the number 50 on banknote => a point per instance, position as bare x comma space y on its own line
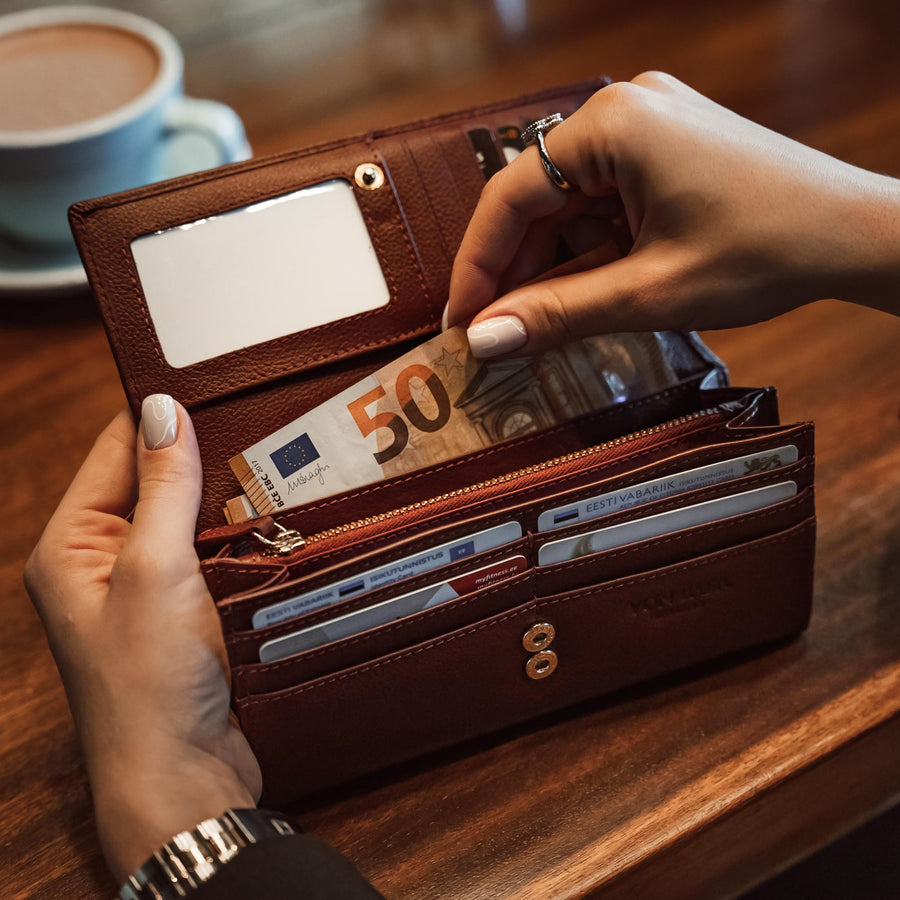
410, 406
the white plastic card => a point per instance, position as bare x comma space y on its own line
260, 272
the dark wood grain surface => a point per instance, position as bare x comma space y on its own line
695, 786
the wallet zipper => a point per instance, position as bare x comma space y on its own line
287, 541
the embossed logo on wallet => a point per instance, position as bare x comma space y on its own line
680, 599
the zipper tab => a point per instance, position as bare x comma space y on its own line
211, 541
283, 542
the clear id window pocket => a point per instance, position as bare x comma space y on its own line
257, 273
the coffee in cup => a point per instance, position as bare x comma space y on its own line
90, 101
57, 75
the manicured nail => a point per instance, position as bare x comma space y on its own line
494, 337
159, 421
445, 317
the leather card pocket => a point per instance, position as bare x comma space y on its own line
259, 678
243, 645
475, 679
669, 549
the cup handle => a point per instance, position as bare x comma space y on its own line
215, 121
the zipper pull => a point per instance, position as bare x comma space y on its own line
283, 542
211, 541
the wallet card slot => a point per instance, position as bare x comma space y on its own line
225, 578
448, 172
605, 480
800, 472
473, 680
243, 643
674, 548
375, 643
238, 585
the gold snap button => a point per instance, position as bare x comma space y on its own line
538, 636
541, 665
369, 176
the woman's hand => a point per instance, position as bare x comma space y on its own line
731, 223
138, 641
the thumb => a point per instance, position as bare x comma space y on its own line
629, 294
169, 478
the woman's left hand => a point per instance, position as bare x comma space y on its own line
137, 639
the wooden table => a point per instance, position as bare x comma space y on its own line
695, 786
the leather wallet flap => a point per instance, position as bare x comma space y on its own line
414, 186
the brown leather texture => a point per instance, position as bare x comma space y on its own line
457, 670
416, 222
472, 680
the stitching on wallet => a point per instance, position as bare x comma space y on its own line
666, 572
246, 570
283, 590
379, 252
131, 268
491, 623
435, 219
404, 232
424, 616
376, 240
308, 361
790, 506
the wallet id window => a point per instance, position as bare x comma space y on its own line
258, 273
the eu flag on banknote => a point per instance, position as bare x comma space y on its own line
293, 456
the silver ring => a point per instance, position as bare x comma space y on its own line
534, 133
530, 132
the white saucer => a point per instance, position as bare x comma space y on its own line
27, 272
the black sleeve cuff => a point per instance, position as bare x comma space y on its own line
295, 866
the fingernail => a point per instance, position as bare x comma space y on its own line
445, 317
494, 337
159, 421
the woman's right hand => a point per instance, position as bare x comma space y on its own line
731, 223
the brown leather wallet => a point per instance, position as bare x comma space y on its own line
546, 638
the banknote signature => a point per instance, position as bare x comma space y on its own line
317, 473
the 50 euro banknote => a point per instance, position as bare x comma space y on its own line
435, 403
